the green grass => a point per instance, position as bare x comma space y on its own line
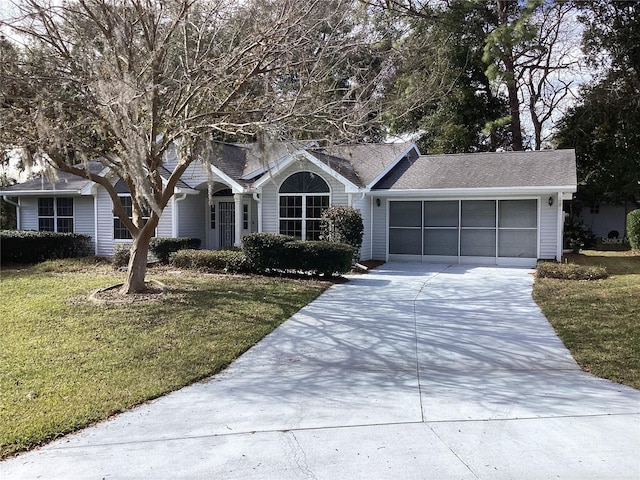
66, 363
598, 320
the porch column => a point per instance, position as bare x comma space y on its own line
237, 198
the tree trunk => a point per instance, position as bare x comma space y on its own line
514, 105
137, 269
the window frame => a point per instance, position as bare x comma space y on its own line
305, 221
118, 226
56, 217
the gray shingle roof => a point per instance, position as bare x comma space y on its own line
483, 170
65, 182
367, 160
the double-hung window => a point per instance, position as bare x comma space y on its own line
55, 214
120, 231
302, 198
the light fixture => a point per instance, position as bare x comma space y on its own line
378, 202
550, 201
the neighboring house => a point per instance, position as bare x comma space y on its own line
490, 208
606, 221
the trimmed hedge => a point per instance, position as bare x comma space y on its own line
163, 248
234, 261
570, 271
633, 229
274, 252
21, 246
266, 250
326, 258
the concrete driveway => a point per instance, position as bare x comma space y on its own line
411, 371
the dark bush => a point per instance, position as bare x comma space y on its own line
163, 248
327, 258
570, 271
577, 236
121, 254
633, 229
273, 252
343, 225
20, 246
234, 261
266, 250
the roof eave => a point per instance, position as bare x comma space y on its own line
489, 191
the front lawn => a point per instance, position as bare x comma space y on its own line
66, 363
598, 320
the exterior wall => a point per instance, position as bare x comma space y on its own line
28, 213
607, 219
379, 229
165, 225
270, 210
84, 220
83, 215
192, 217
364, 205
195, 174
104, 223
548, 227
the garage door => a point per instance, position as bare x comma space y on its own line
465, 231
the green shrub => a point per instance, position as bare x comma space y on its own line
20, 246
571, 271
633, 229
234, 261
577, 236
162, 248
280, 253
266, 250
343, 225
121, 254
326, 258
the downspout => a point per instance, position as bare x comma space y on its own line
174, 220
17, 205
258, 198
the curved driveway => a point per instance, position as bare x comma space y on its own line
411, 371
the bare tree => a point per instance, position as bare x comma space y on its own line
124, 80
550, 73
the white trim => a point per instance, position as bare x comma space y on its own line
457, 192
289, 159
235, 186
560, 228
95, 221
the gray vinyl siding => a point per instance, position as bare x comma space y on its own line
104, 223
192, 217
253, 215
364, 206
548, 228
194, 175
84, 221
28, 213
270, 213
379, 230
83, 215
165, 225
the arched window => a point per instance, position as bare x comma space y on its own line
303, 198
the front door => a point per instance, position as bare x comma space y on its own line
227, 224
